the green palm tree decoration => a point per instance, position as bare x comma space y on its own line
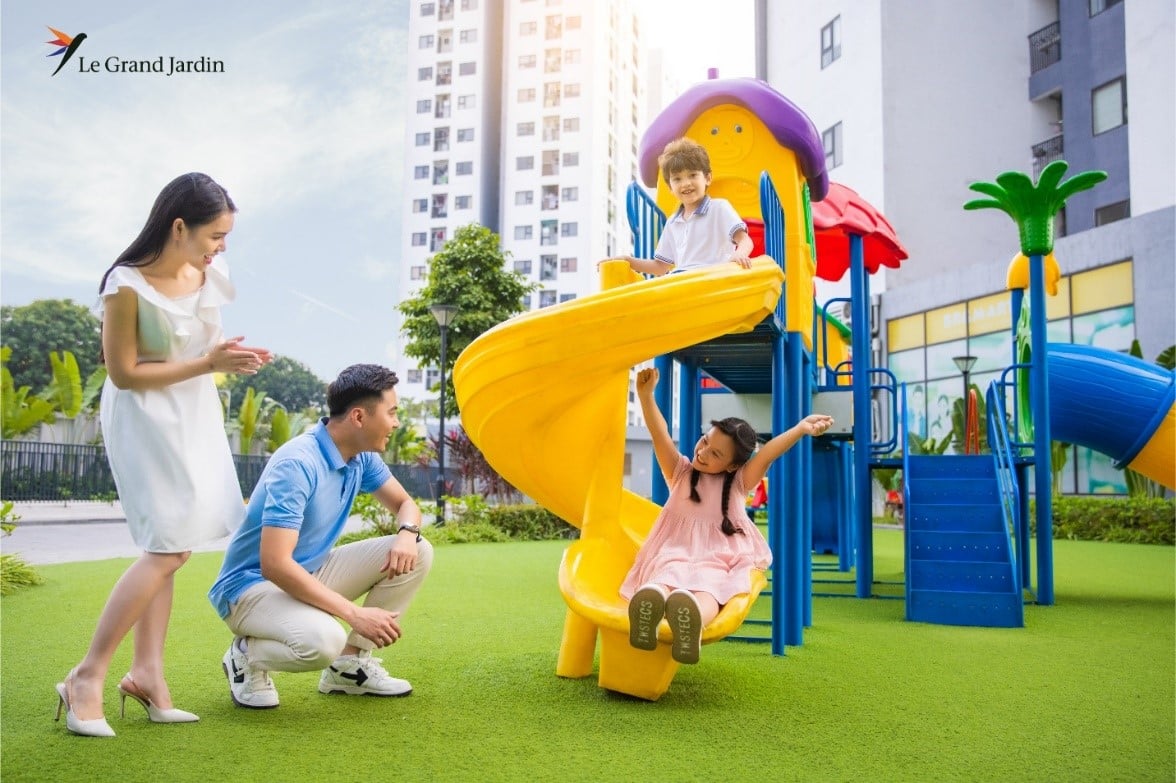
1031, 207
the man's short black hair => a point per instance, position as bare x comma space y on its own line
356, 385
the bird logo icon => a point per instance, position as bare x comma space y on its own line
67, 44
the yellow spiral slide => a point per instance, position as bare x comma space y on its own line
544, 396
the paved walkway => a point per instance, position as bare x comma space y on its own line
73, 531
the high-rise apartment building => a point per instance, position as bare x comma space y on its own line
916, 100
524, 116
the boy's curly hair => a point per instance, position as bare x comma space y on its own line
683, 155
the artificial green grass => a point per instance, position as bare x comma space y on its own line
1084, 692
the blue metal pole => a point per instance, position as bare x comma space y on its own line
782, 566
663, 395
805, 489
689, 408
860, 341
1042, 457
795, 492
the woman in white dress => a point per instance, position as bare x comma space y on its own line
163, 428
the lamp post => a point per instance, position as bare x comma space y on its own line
444, 313
965, 365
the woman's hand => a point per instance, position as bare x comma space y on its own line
231, 356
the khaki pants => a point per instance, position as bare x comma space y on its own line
286, 635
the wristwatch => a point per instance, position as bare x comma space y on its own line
411, 529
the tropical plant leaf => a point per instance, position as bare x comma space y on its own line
65, 390
1167, 358
1077, 183
1051, 175
984, 203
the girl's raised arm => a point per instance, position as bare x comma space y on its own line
757, 466
663, 445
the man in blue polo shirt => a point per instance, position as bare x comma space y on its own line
283, 584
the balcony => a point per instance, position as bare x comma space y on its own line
1045, 153
1045, 47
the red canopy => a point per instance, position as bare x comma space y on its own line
843, 212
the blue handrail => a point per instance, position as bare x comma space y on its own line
1002, 453
645, 220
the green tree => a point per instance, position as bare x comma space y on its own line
33, 331
469, 272
285, 380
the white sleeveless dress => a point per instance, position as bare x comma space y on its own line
167, 447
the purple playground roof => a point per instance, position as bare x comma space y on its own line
791, 126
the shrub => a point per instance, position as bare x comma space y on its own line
15, 573
529, 523
1124, 520
469, 519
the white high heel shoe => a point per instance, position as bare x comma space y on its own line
128, 687
95, 727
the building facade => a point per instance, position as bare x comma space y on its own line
916, 101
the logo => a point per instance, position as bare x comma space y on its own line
67, 45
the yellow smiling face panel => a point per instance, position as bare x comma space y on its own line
740, 146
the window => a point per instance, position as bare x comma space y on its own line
467, 69
1120, 210
442, 107
425, 42
551, 128
568, 229
550, 162
467, 101
831, 141
550, 197
427, 9
571, 159
571, 124
548, 229
551, 94
524, 197
552, 58
526, 61
423, 139
566, 297
572, 23
463, 202
446, 11
468, 36
437, 239
523, 232
425, 74
528, 28
465, 167
567, 265
546, 298
570, 194
527, 95
441, 172
432, 377
523, 268
524, 163
420, 172
1108, 106
572, 90
420, 205
571, 56
831, 42
465, 134
419, 238
424, 106
440, 139
554, 27
469, 5
525, 129
440, 205
414, 375
416, 273
444, 73
1098, 6
548, 267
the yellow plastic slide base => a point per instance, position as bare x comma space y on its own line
1158, 457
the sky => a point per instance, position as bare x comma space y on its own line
304, 127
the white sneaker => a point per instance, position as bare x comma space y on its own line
359, 675
248, 685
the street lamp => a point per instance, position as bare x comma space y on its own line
965, 365
444, 313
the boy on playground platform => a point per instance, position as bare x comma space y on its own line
704, 231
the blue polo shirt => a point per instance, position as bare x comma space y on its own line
306, 486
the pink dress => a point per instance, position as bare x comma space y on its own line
687, 547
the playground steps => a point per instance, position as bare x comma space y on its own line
959, 559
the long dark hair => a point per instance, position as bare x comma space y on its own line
194, 198
742, 435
